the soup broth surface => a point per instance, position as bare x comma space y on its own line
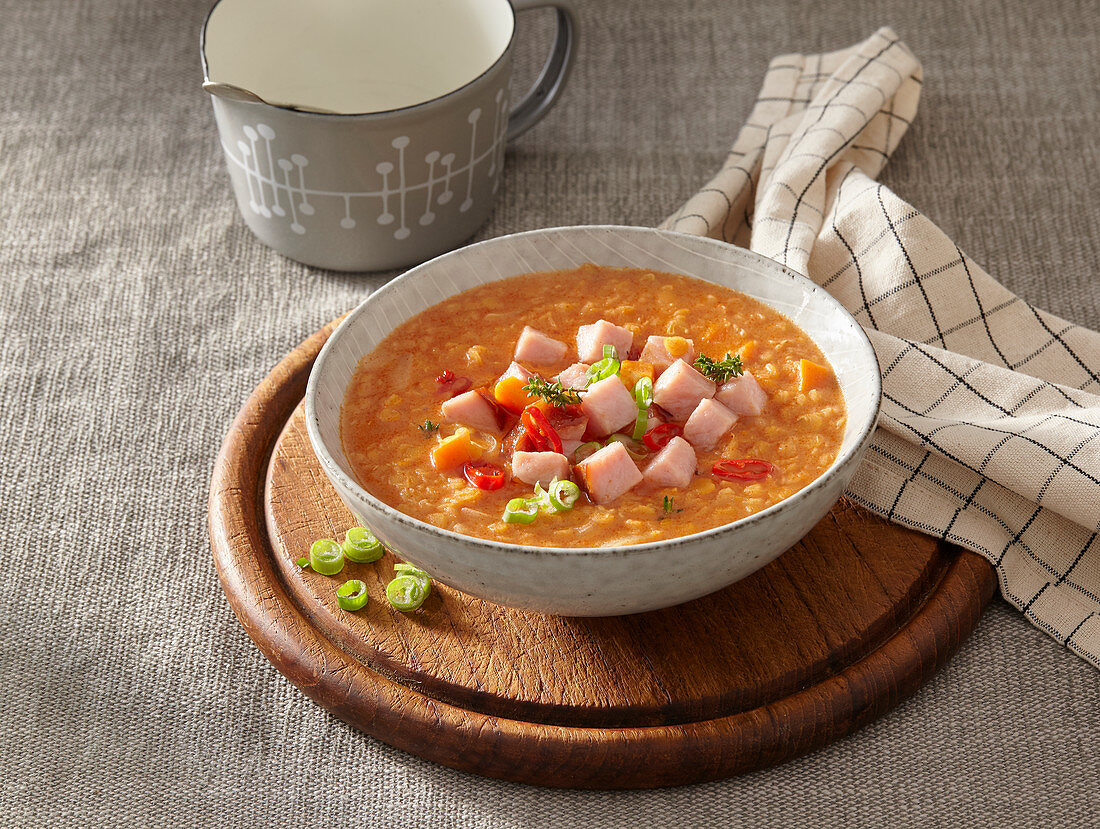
394, 399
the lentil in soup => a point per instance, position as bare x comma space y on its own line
591, 407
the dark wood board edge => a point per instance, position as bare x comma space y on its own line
519, 751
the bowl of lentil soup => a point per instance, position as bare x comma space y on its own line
593, 420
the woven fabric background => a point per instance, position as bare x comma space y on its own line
989, 426
139, 312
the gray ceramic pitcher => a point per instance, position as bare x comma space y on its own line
334, 187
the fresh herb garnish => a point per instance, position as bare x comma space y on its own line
719, 370
427, 427
669, 508
554, 393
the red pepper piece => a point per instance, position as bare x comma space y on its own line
483, 475
741, 469
517, 440
659, 436
540, 431
452, 385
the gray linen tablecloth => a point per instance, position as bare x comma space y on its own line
140, 312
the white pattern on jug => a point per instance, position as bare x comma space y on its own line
277, 183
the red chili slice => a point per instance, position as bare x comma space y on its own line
450, 384
742, 469
483, 475
541, 432
659, 436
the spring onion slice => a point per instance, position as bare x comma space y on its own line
352, 595
584, 450
326, 556
636, 450
360, 545
407, 593
403, 568
602, 369
562, 495
521, 510
643, 399
541, 498
303, 562
640, 423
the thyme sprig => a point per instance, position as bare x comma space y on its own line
670, 508
719, 370
554, 393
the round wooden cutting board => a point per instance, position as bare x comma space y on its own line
832, 634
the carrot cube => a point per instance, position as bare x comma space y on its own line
631, 371
455, 450
811, 375
509, 393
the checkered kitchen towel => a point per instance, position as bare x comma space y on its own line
990, 430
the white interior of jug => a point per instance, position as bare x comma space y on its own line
354, 56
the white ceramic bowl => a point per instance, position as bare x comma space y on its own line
596, 581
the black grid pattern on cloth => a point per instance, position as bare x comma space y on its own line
990, 428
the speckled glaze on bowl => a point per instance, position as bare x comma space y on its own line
596, 581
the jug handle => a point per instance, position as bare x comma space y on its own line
555, 72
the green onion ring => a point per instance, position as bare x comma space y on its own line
303, 562
405, 569
407, 593
584, 450
602, 369
563, 494
352, 595
636, 450
640, 423
326, 556
541, 498
643, 399
361, 546
521, 510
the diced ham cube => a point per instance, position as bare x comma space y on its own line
540, 467
609, 406
575, 377
664, 351
680, 388
516, 370
608, 473
742, 395
708, 423
568, 423
592, 338
473, 409
674, 465
537, 348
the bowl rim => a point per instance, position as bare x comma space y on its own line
338, 476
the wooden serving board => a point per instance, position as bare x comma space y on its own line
831, 635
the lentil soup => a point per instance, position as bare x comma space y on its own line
740, 409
